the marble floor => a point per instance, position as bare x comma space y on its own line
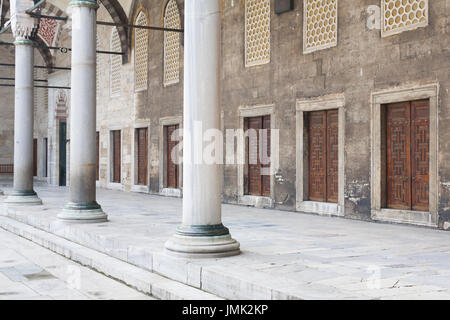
302, 254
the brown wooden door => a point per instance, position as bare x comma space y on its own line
264, 143
35, 146
318, 156
142, 146
407, 165
116, 156
332, 155
323, 155
97, 156
258, 156
254, 165
420, 157
172, 167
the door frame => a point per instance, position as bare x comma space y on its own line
135, 187
377, 101
249, 112
170, 192
303, 204
111, 184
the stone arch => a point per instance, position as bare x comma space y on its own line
4, 8
118, 16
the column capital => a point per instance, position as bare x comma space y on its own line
84, 3
23, 25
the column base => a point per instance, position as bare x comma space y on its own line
208, 242
82, 213
22, 199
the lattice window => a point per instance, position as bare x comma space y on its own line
171, 44
140, 53
320, 24
257, 32
115, 63
40, 94
402, 15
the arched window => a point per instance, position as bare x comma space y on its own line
140, 52
257, 32
115, 63
171, 44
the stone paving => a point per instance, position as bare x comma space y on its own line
300, 254
29, 272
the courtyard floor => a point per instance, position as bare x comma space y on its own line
285, 255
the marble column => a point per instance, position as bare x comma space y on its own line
82, 205
202, 233
24, 29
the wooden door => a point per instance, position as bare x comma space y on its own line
254, 165
97, 155
35, 145
142, 146
172, 168
332, 155
318, 156
258, 156
323, 155
264, 144
420, 157
407, 160
116, 156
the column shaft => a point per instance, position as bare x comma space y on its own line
23, 193
83, 206
201, 233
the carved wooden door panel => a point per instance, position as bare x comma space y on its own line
265, 156
172, 168
142, 145
332, 155
398, 180
420, 157
317, 156
408, 155
116, 156
254, 165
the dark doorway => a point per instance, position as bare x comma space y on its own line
45, 158
35, 145
62, 153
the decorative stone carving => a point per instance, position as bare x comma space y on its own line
22, 24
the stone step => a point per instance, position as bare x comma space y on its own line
138, 278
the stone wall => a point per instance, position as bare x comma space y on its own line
361, 63
6, 104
